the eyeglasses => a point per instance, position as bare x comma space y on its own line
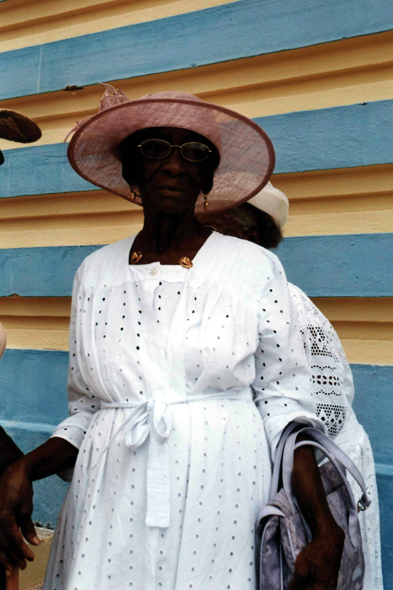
158, 149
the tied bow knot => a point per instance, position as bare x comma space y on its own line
153, 417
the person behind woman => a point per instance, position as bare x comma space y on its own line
17, 128
261, 221
178, 337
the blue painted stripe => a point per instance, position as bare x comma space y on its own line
323, 266
37, 380
45, 429
384, 470
359, 265
33, 385
373, 407
385, 494
337, 137
39, 170
233, 31
36, 385
40, 272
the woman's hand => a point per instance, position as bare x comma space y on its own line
318, 565
16, 506
16, 498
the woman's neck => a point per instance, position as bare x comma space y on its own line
167, 237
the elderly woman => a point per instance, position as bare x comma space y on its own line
185, 367
261, 220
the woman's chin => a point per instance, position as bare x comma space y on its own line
168, 202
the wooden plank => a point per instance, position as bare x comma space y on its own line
365, 326
25, 23
233, 31
351, 200
325, 75
338, 137
340, 266
44, 375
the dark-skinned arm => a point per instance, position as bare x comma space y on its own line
16, 499
317, 566
9, 451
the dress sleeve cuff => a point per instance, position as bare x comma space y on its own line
73, 430
275, 425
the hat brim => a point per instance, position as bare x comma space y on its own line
16, 127
246, 153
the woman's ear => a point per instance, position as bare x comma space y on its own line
207, 183
128, 173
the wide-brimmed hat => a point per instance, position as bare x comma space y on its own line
274, 202
16, 127
246, 152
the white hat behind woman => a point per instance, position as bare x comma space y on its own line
272, 201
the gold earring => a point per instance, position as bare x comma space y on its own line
134, 194
206, 203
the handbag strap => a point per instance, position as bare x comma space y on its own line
338, 454
338, 460
274, 482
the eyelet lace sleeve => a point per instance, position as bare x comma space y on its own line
283, 381
332, 381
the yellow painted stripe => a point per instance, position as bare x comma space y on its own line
25, 23
339, 73
313, 224
67, 220
364, 325
356, 183
368, 352
354, 200
346, 201
36, 323
353, 309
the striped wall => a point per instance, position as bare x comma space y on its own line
316, 76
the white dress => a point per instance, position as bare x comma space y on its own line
333, 392
174, 457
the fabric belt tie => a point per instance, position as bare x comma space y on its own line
154, 418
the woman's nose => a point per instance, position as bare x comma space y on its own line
174, 163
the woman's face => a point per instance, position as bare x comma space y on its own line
172, 184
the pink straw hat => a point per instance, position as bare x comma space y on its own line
246, 152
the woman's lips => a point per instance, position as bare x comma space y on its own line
171, 188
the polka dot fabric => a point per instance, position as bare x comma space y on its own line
333, 391
215, 348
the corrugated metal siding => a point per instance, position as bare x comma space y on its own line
317, 76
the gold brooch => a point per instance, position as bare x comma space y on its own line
135, 257
185, 262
